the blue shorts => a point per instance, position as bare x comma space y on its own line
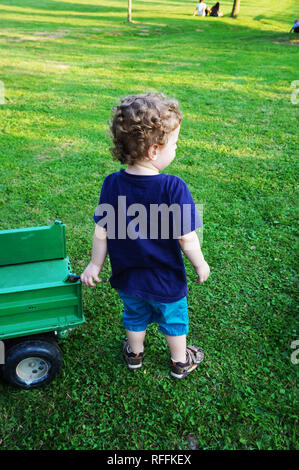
171, 317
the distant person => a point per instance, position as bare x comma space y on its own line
201, 8
295, 26
215, 10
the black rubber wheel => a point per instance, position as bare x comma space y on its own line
32, 363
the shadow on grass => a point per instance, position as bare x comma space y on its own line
110, 14
66, 7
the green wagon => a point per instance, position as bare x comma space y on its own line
40, 301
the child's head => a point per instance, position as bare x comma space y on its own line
143, 125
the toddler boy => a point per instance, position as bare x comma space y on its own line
145, 251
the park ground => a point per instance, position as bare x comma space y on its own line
64, 64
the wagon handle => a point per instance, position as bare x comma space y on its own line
73, 278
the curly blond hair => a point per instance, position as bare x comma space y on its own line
140, 121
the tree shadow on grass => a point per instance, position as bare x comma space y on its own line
65, 40
108, 15
66, 7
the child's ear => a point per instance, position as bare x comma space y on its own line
152, 152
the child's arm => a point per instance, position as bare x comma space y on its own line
99, 249
191, 247
99, 252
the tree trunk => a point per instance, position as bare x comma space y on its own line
130, 11
236, 9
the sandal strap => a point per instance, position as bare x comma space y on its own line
195, 349
194, 353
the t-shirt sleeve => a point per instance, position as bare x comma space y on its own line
186, 217
100, 213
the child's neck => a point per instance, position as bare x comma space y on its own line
142, 169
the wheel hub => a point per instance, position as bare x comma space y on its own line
32, 369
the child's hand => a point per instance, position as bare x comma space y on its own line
90, 274
203, 272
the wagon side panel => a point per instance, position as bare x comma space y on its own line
37, 311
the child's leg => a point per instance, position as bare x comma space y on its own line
177, 346
135, 339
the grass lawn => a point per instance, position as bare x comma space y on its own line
64, 64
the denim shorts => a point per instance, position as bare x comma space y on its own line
171, 317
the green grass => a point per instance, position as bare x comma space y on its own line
64, 65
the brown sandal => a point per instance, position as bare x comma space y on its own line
134, 361
194, 356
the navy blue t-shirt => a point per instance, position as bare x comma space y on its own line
144, 251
